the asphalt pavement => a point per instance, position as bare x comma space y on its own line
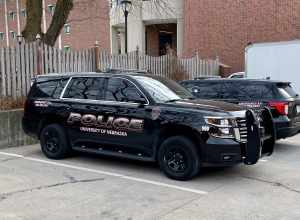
94, 187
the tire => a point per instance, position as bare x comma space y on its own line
54, 142
178, 158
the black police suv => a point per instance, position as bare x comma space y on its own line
279, 96
143, 117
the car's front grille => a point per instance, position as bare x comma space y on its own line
242, 124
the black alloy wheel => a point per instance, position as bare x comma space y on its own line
178, 158
54, 142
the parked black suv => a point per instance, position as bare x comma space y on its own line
277, 95
144, 117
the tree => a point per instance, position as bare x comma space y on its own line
34, 18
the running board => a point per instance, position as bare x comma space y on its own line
119, 154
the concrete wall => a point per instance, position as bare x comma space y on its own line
11, 132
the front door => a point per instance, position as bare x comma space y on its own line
128, 106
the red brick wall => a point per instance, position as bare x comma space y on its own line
152, 40
224, 27
89, 22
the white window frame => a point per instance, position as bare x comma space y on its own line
67, 29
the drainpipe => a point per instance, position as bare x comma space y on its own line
6, 23
18, 18
44, 17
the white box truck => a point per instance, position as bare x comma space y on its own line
277, 60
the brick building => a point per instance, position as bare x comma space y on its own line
224, 27
212, 28
87, 23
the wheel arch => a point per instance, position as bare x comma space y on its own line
171, 130
50, 119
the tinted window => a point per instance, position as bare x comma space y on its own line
122, 90
286, 90
85, 88
162, 89
255, 91
60, 86
48, 88
206, 90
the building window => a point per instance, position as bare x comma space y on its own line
12, 15
51, 9
24, 12
67, 29
13, 34
67, 48
1, 36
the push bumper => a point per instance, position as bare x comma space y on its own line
228, 152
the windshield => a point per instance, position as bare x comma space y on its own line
287, 91
162, 89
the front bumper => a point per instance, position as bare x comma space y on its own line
227, 152
222, 152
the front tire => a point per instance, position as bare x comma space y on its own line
178, 158
54, 142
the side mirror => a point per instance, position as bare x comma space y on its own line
136, 97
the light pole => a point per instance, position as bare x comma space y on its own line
126, 7
19, 38
39, 54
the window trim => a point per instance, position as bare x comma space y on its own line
2, 37
101, 101
23, 12
12, 15
67, 28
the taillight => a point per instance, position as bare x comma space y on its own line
281, 108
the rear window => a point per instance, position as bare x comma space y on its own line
48, 88
286, 90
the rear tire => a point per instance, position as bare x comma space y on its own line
54, 142
178, 158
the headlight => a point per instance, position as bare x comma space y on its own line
221, 122
221, 127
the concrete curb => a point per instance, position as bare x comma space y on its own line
11, 132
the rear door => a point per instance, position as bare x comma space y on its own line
250, 94
82, 99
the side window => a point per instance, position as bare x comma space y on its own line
59, 88
256, 91
206, 90
231, 91
85, 88
122, 90
48, 89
